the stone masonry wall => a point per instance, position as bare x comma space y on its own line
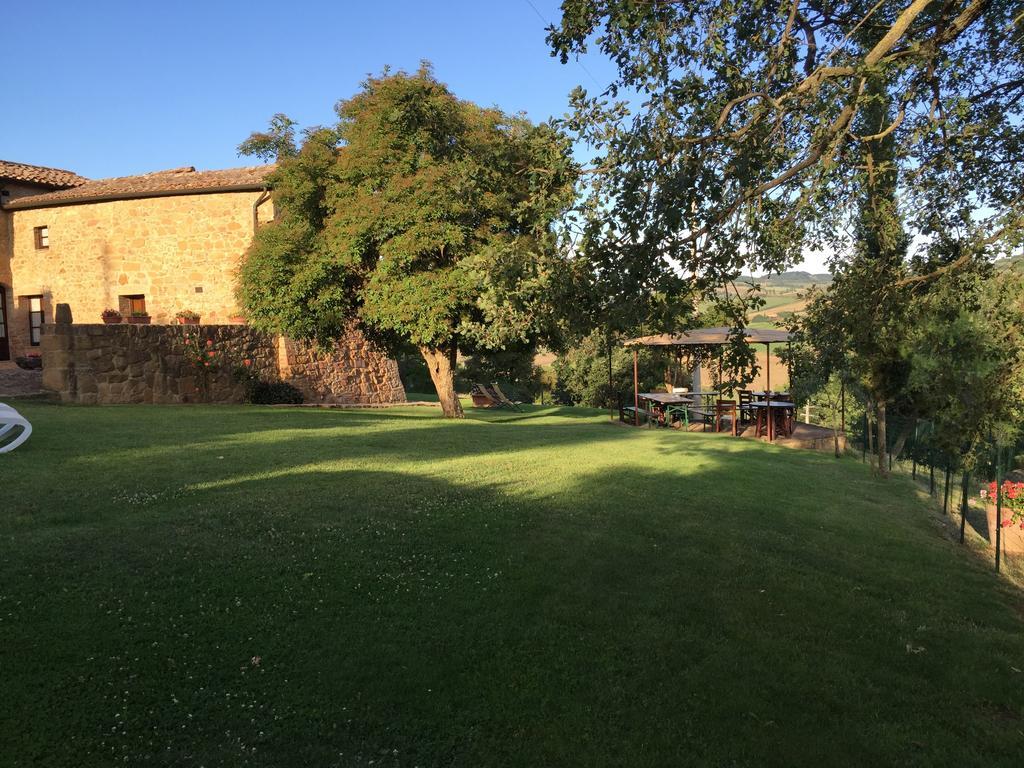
180, 252
355, 371
149, 364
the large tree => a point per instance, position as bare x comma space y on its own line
733, 136
423, 217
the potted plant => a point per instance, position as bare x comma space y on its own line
111, 316
187, 317
139, 318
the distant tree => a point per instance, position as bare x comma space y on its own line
426, 219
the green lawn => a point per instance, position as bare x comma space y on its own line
230, 586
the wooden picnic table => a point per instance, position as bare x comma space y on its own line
770, 406
669, 403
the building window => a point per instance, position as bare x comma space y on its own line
42, 237
132, 305
35, 319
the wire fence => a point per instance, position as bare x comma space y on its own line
958, 486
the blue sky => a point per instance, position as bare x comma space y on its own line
112, 88
118, 88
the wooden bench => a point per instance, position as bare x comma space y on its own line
632, 415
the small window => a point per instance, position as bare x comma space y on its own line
35, 319
42, 237
132, 305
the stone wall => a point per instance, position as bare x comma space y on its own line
179, 252
355, 371
151, 364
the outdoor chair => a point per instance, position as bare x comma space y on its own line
746, 408
502, 399
482, 398
10, 422
725, 409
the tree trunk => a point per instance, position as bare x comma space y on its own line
883, 465
441, 364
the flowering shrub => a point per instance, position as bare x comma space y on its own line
199, 352
1013, 501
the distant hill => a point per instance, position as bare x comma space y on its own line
1007, 263
796, 279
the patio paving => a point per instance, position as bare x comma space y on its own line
15, 382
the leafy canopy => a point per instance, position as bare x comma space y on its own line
428, 219
734, 135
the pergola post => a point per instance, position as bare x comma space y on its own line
636, 387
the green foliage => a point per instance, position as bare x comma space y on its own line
967, 358
582, 373
276, 143
427, 218
412, 370
734, 132
512, 368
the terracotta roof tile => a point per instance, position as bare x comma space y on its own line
176, 181
38, 174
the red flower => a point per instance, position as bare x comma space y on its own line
209, 342
247, 363
210, 353
1007, 523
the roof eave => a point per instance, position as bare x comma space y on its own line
28, 204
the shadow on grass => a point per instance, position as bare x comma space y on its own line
635, 616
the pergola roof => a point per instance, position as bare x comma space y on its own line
709, 337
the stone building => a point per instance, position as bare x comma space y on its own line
150, 245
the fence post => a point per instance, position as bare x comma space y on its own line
966, 481
945, 489
999, 507
931, 462
864, 439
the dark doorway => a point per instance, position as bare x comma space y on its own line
5, 345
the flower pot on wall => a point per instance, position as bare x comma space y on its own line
139, 319
111, 319
188, 320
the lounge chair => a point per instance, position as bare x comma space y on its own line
502, 399
10, 421
483, 397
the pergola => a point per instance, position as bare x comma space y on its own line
704, 337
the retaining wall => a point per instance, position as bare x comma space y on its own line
126, 363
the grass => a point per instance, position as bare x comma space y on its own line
257, 586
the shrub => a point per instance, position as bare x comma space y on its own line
583, 373
260, 392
